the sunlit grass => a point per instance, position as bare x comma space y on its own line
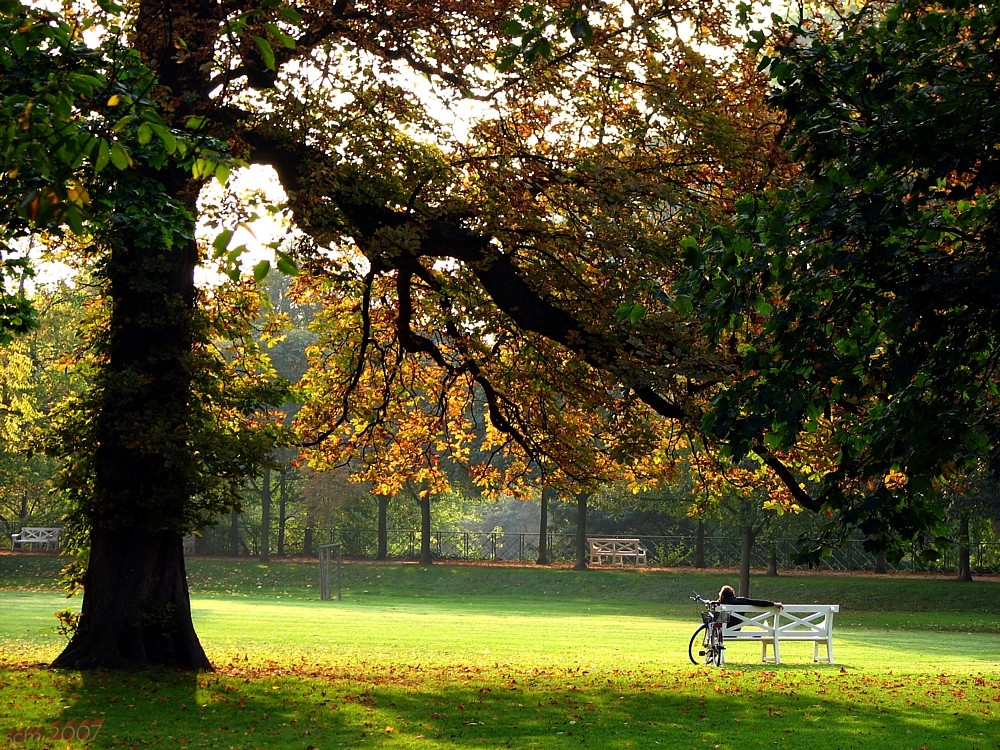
459, 656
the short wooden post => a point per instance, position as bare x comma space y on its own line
325, 551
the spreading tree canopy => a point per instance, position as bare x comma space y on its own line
863, 296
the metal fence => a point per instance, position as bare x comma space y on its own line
669, 551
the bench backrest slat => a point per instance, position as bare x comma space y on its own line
814, 620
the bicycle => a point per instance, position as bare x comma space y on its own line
708, 636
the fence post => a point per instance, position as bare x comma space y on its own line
324, 571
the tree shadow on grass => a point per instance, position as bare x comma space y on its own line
273, 706
759, 709
175, 709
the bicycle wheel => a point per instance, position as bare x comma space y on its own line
696, 648
714, 651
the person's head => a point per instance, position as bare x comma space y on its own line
726, 593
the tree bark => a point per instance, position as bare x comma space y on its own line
747, 539
772, 560
136, 611
880, 562
964, 550
581, 531
426, 557
234, 533
699, 545
383, 528
543, 526
282, 511
307, 541
265, 516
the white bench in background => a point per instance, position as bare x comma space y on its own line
772, 627
36, 537
616, 550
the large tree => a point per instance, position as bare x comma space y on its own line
98, 142
526, 247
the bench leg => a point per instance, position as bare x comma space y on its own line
829, 650
774, 646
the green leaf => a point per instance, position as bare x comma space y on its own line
266, 52
507, 56
222, 174
83, 83
513, 28
168, 139
290, 14
18, 43
630, 312
120, 157
103, 155
203, 168
582, 31
123, 123
74, 218
221, 242
284, 39
286, 265
261, 269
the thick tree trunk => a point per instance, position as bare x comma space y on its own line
543, 527
581, 532
136, 611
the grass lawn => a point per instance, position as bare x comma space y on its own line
522, 657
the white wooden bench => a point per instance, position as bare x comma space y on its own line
772, 627
36, 537
616, 550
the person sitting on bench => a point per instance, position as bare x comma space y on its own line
728, 596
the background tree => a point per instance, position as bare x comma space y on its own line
971, 498
864, 290
37, 381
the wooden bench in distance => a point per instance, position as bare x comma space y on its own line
616, 550
772, 627
36, 537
